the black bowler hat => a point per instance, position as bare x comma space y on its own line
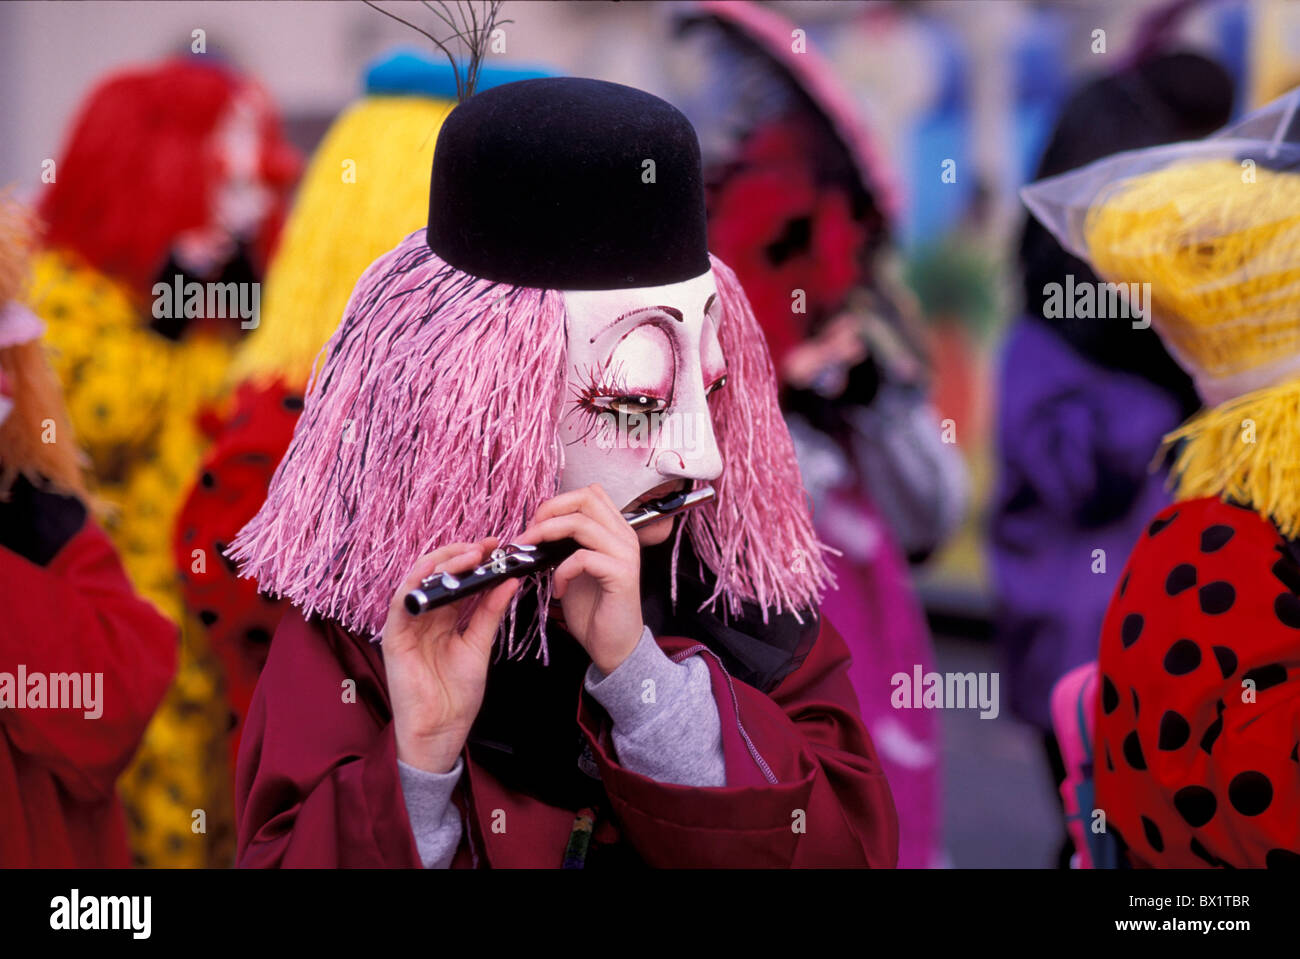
545, 183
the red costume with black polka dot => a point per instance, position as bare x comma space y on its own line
231, 486
1199, 712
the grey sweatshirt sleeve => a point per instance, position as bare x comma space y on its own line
666, 723
435, 820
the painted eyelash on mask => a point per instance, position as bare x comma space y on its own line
606, 384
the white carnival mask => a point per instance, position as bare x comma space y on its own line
641, 366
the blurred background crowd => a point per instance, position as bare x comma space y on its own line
965, 454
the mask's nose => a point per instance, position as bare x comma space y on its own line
691, 451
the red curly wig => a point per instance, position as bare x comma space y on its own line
140, 166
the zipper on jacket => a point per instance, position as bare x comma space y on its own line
759, 761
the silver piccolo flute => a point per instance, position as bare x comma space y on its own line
515, 559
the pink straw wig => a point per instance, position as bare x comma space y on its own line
434, 418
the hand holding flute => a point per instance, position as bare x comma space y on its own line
599, 585
437, 675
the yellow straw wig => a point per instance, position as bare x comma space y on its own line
366, 188
1246, 450
1219, 242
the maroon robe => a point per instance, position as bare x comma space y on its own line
66, 606
318, 782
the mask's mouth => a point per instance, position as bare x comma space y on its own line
659, 492
670, 505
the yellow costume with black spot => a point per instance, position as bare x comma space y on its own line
133, 397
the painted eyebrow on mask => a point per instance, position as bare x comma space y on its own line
673, 312
708, 304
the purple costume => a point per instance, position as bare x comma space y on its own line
1075, 441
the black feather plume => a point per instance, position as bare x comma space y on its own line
471, 25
